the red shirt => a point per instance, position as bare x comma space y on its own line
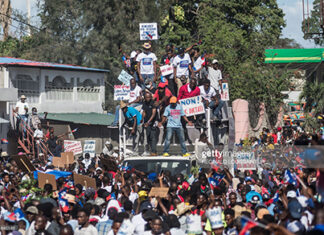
167, 93
186, 92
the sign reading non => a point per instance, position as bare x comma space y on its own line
121, 92
124, 77
225, 93
166, 70
148, 31
89, 147
193, 106
73, 146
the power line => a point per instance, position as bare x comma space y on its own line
15, 19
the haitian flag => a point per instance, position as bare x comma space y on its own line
4, 141
19, 214
215, 180
247, 224
290, 178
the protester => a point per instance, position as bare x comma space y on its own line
181, 66
22, 111
135, 99
215, 76
172, 115
146, 65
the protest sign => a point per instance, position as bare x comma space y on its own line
121, 92
67, 158
89, 147
245, 161
46, 179
73, 146
225, 94
192, 106
85, 181
158, 192
124, 77
166, 69
23, 163
57, 162
198, 63
148, 31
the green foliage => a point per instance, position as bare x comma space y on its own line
90, 33
30, 187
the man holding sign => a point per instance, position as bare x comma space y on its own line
173, 114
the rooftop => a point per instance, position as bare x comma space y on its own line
83, 118
9, 61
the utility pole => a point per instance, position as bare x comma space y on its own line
28, 17
5, 10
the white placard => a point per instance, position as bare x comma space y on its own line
73, 146
148, 31
225, 94
124, 77
215, 217
166, 70
245, 161
121, 92
89, 147
192, 106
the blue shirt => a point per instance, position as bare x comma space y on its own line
174, 115
132, 112
104, 227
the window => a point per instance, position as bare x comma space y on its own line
27, 86
88, 91
59, 89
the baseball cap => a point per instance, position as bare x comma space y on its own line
215, 61
23, 97
146, 205
162, 85
99, 201
181, 50
291, 194
32, 210
133, 54
173, 100
295, 209
147, 45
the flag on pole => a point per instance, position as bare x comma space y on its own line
246, 225
75, 130
290, 178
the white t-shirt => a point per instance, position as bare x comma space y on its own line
182, 65
38, 134
90, 230
133, 94
146, 61
139, 224
207, 95
21, 107
214, 76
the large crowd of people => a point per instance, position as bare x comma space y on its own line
283, 194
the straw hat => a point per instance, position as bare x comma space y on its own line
182, 208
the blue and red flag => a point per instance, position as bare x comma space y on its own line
75, 130
4, 141
215, 180
290, 178
247, 224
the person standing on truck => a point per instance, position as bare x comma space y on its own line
173, 114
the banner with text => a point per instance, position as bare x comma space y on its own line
192, 106
121, 92
124, 77
89, 147
73, 146
148, 31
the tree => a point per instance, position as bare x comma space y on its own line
312, 26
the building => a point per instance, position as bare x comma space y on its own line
53, 88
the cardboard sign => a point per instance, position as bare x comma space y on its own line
73, 146
158, 192
245, 161
148, 31
124, 77
121, 92
225, 94
58, 162
166, 69
192, 106
46, 179
67, 158
90, 147
23, 163
85, 181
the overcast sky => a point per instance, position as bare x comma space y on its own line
292, 9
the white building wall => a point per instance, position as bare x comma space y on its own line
73, 97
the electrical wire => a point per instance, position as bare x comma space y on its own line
15, 19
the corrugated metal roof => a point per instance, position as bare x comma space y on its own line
286, 56
29, 63
83, 118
